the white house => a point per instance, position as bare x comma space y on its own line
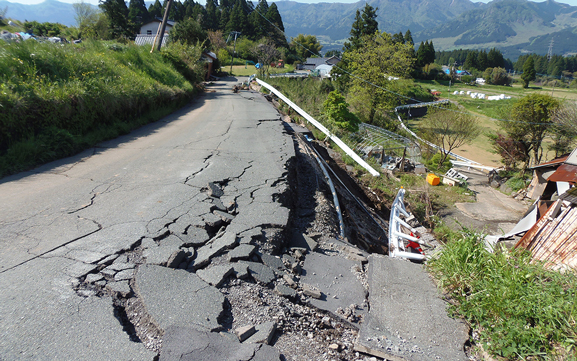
151, 27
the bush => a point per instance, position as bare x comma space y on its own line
433, 163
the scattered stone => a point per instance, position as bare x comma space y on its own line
215, 190
177, 297
215, 275
285, 291
263, 334
100, 283
272, 261
243, 251
260, 272
290, 280
299, 252
211, 249
124, 275
121, 287
311, 291
224, 216
334, 346
93, 277
189, 344
244, 332
287, 259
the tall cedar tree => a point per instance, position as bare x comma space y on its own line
155, 10
117, 14
137, 13
365, 24
529, 73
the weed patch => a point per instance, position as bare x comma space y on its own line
521, 310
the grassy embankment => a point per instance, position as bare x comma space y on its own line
518, 310
58, 100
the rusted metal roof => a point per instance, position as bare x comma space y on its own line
553, 239
552, 163
565, 173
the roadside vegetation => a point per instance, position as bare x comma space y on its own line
58, 100
518, 309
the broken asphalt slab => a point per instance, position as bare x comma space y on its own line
333, 277
189, 344
177, 297
407, 318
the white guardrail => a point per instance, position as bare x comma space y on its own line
397, 246
320, 127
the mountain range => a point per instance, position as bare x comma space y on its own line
513, 26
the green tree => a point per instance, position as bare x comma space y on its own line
336, 53
399, 38
425, 53
306, 46
336, 109
189, 32
117, 14
377, 61
409, 37
482, 60
211, 15
137, 14
529, 73
85, 14
277, 31
471, 61
496, 76
365, 23
531, 121
155, 10
449, 129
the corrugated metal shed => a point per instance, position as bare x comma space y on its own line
553, 239
142, 39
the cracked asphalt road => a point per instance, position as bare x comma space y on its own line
70, 218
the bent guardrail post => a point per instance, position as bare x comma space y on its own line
321, 127
396, 235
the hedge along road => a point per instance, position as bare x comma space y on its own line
68, 219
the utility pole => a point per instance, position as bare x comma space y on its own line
160, 33
235, 34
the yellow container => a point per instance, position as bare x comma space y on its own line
433, 179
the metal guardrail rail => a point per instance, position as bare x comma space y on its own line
322, 128
396, 235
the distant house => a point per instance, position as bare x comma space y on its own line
313, 63
148, 32
151, 27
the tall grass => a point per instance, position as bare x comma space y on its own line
521, 310
55, 98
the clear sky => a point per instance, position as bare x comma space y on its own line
95, 2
